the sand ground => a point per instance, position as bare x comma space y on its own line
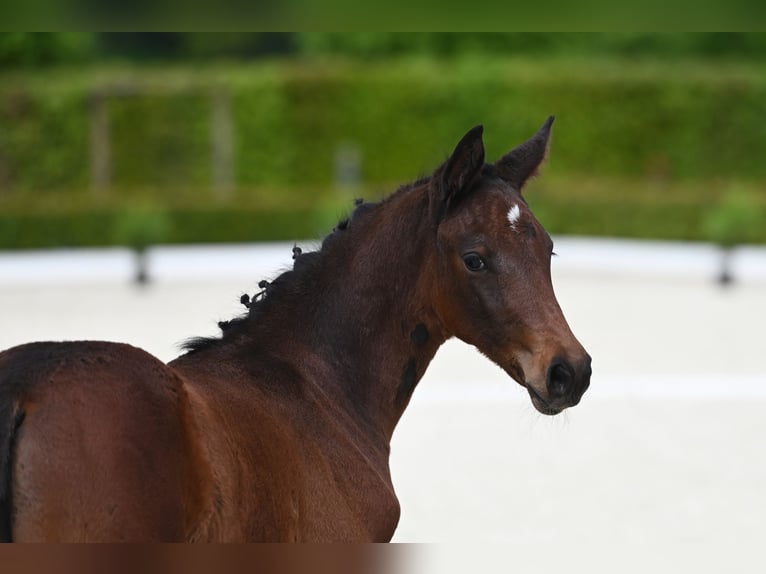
661, 468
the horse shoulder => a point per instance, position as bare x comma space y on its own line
288, 465
252, 452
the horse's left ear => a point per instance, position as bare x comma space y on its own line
524, 162
460, 171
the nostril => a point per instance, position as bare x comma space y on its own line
560, 378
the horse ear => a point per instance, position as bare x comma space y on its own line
523, 162
460, 171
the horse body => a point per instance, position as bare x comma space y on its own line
151, 455
86, 424
280, 429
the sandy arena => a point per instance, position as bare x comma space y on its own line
661, 468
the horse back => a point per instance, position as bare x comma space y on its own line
95, 444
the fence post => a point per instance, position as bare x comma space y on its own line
221, 144
348, 168
100, 144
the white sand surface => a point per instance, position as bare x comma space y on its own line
661, 468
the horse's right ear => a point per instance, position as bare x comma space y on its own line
460, 171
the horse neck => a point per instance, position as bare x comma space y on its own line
372, 320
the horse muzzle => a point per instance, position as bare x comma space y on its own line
565, 384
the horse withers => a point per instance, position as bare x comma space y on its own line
279, 429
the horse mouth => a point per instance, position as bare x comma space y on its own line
517, 373
541, 404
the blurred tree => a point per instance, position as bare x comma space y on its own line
735, 220
386, 44
26, 49
738, 218
30, 49
138, 227
239, 44
195, 45
142, 45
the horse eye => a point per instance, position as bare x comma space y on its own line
474, 262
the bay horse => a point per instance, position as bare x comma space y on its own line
279, 429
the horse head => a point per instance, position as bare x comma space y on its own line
494, 267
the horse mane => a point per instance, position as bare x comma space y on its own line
304, 266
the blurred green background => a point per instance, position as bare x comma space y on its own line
138, 138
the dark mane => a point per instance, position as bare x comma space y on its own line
304, 265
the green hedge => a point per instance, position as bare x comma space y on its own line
96, 227
688, 120
681, 124
20, 49
728, 213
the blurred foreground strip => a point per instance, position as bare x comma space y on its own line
203, 559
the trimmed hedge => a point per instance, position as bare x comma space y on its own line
95, 227
679, 125
729, 214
